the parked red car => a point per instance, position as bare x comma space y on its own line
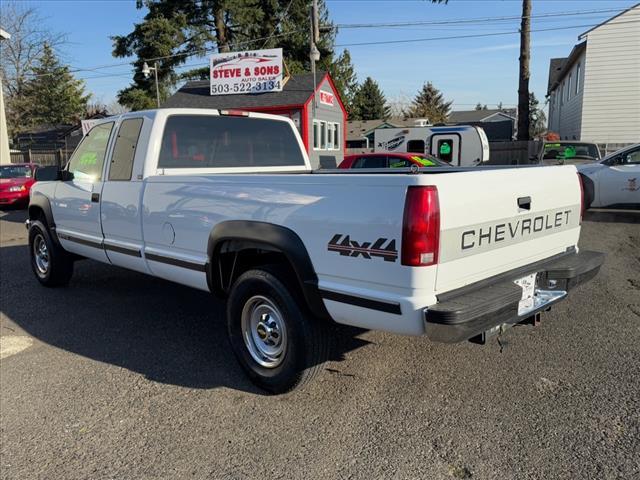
15, 182
390, 160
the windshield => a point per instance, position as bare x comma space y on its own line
567, 151
11, 171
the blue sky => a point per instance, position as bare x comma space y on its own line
466, 70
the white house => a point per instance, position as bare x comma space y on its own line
594, 93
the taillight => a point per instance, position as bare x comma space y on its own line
581, 196
421, 227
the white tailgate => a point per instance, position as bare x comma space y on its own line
483, 230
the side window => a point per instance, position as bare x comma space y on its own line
376, 161
397, 162
415, 146
125, 149
632, 158
87, 160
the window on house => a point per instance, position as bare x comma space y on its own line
330, 128
569, 87
578, 78
336, 136
316, 135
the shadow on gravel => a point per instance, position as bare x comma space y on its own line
164, 331
612, 216
13, 214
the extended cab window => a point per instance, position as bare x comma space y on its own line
87, 160
125, 149
206, 141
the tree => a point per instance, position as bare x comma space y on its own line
537, 118
479, 106
429, 103
345, 80
53, 95
523, 84
19, 55
369, 102
499, 106
174, 30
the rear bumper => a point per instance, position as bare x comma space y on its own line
479, 307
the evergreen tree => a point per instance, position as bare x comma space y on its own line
369, 102
537, 118
344, 77
479, 106
190, 28
429, 103
53, 95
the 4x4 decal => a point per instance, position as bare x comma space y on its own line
382, 247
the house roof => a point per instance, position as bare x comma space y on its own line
356, 129
555, 67
608, 20
463, 116
196, 94
559, 67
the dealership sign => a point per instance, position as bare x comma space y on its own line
254, 71
326, 98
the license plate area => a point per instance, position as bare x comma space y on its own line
528, 285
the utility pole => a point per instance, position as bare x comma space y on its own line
314, 53
523, 84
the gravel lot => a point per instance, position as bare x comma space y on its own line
122, 376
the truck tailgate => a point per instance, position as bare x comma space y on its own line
493, 221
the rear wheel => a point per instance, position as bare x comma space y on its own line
52, 266
277, 341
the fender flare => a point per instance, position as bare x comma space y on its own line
589, 190
275, 237
41, 202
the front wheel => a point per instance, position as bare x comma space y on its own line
52, 266
277, 342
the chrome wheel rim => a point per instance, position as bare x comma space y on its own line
264, 331
41, 254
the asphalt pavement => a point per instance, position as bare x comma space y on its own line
123, 376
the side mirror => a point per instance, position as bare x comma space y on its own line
52, 174
47, 174
66, 175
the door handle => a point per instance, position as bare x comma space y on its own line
95, 197
524, 203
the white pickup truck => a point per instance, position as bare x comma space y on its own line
226, 202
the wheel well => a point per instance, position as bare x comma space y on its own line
37, 213
231, 258
235, 257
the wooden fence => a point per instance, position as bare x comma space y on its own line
57, 157
513, 153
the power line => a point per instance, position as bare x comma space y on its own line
476, 35
474, 20
369, 25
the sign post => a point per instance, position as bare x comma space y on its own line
255, 71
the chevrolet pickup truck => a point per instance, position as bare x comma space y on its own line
226, 202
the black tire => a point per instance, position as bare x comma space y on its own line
307, 338
58, 268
